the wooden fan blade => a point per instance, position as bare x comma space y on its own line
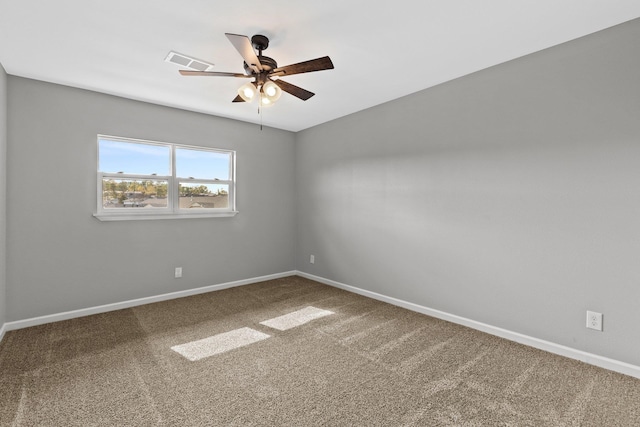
294, 90
317, 64
245, 49
238, 99
212, 74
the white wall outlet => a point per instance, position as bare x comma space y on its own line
178, 272
594, 320
312, 259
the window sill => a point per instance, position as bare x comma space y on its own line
138, 217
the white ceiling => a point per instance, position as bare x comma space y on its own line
381, 50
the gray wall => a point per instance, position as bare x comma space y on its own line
3, 195
510, 196
61, 258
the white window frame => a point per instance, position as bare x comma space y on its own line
173, 210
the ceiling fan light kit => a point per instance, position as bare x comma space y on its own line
267, 84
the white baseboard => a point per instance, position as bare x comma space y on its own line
572, 353
592, 359
19, 324
3, 329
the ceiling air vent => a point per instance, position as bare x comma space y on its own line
188, 62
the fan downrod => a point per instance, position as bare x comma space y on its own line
261, 43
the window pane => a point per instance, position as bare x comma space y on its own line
134, 158
203, 196
202, 164
129, 193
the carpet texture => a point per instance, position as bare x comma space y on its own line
366, 363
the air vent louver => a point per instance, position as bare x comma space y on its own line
188, 62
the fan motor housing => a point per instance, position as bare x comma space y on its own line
267, 63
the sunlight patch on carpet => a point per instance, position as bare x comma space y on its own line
297, 318
221, 343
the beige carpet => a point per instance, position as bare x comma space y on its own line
351, 361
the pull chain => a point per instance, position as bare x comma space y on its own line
260, 108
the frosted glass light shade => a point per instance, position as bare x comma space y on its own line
265, 101
247, 92
271, 91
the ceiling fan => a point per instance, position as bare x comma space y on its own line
267, 84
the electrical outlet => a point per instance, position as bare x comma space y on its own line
312, 259
178, 272
594, 320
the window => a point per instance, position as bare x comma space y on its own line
154, 180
